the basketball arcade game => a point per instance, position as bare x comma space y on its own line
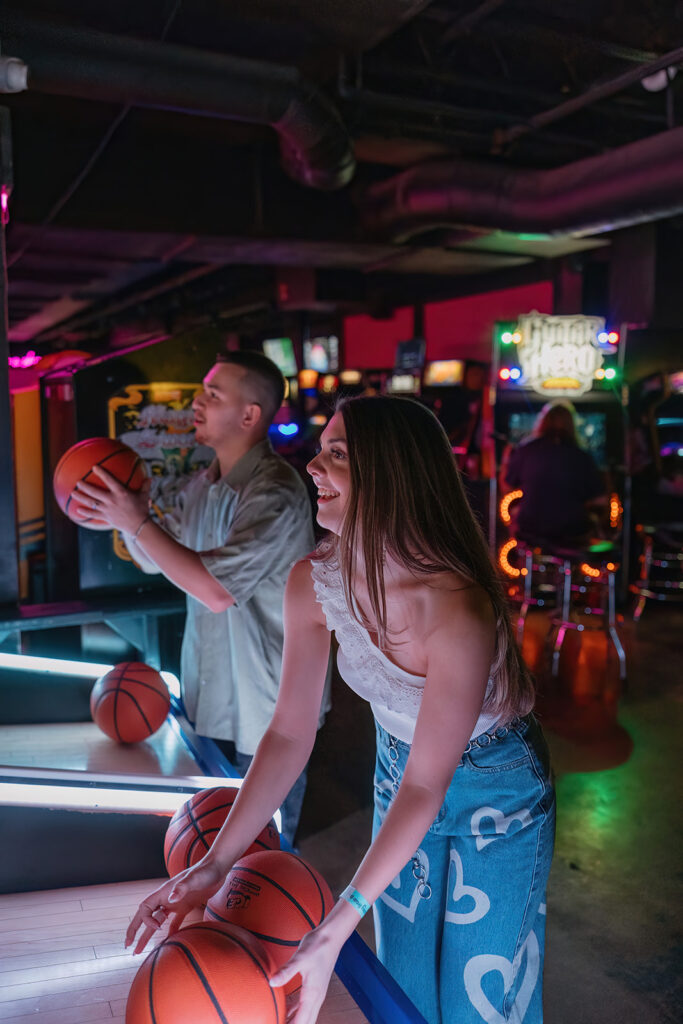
86, 830
535, 360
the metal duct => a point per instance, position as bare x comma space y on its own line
642, 181
315, 145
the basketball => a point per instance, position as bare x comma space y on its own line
203, 974
278, 897
130, 702
77, 463
195, 825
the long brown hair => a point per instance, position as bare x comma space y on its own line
407, 499
557, 421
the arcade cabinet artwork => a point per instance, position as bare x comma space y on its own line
540, 358
157, 422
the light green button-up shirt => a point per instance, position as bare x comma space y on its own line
250, 526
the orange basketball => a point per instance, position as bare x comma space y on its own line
77, 463
195, 825
130, 702
204, 974
278, 897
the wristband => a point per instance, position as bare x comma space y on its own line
139, 529
357, 901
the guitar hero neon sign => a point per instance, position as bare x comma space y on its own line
559, 355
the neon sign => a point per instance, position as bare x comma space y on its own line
559, 355
23, 362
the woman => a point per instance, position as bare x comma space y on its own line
560, 481
464, 820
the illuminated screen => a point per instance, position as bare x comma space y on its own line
591, 428
322, 354
676, 381
410, 355
403, 384
281, 351
444, 372
350, 377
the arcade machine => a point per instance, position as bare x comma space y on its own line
655, 486
455, 392
62, 778
321, 358
406, 378
286, 427
535, 360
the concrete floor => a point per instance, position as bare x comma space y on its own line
614, 902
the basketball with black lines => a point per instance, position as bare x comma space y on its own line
130, 702
278, 897
77, 463
206, 974
195, 825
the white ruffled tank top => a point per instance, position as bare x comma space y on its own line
394, 694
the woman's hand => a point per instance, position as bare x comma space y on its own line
185, 892
122, 508
314, 960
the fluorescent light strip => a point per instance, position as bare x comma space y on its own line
89, 798
65, 667
116, 799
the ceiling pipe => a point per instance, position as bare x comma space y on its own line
640, 182
601, 91
315, 146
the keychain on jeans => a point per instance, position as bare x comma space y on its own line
424, 889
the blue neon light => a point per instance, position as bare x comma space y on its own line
288, 429
515, 373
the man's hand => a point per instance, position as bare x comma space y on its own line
122, 508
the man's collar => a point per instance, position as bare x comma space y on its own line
244, 467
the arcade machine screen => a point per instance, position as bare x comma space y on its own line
322, 354
443, 373
591, 428
281, 351
410, 355
669, 421
403, 384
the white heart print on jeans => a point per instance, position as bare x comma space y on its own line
479, 966
501, 823
481, 901
415, 898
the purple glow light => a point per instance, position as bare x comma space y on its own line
4, 204
23, 362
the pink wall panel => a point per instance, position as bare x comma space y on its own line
453, 329
370, 343
463, 328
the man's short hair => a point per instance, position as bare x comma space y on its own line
262, 377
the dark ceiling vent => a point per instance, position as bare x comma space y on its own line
315, 145
642, 181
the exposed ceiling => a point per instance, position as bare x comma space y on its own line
170, 154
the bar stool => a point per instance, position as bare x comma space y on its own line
661, 565
541, 580
580, 575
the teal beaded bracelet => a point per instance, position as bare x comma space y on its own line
357, 901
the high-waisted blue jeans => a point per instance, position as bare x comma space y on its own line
462, 927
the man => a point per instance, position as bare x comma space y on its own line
235, 532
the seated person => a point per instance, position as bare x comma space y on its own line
560, 481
